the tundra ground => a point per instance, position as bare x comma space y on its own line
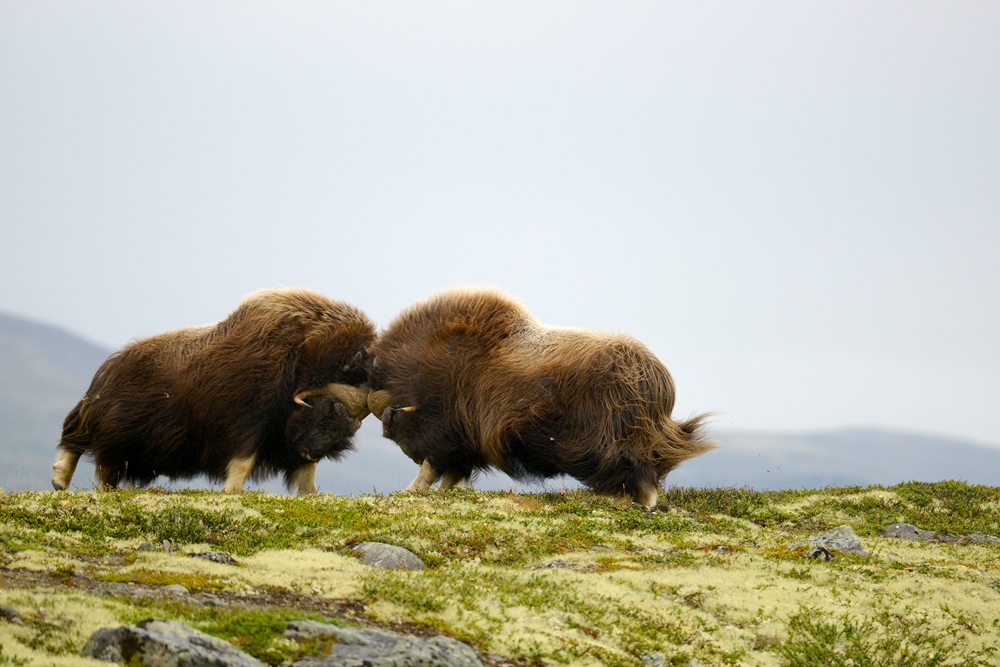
554, 578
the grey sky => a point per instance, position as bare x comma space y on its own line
795, 205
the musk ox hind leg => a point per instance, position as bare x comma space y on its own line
237, 472
64, 467
450, 480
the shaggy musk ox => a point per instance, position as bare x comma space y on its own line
468, 380
274, 387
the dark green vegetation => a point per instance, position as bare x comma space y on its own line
560, 578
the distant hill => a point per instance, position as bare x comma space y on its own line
838, 458
44, 371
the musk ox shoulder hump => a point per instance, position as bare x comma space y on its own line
471, 311
298, 303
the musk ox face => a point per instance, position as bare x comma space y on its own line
273, 388
468, 380
321, 428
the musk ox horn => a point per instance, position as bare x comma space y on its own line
354, 399
378, 401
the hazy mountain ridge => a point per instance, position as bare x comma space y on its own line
44, 370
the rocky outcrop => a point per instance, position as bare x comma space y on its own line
367, 647
161, 643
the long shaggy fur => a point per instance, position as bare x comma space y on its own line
192, 401
494, 388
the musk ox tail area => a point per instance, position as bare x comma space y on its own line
74, 443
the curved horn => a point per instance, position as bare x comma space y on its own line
354, 399
378, 401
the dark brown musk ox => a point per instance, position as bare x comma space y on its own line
468, 380
273, 388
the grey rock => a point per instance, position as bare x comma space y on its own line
653, 658
907, 531
386, 556
368, 647
10, 615
159, 643
166, 546
106, 644
980, 538
215, 557
146, 546
841, 538
175, 588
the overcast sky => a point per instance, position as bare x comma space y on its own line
795, 205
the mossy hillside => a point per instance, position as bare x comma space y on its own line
561, 578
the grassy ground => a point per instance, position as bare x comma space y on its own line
562, 578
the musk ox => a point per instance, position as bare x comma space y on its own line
275, 387
469, 380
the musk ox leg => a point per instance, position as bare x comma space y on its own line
425, 478
63, 468
646, 495
237, 472
303, 479
107, 476
450, 480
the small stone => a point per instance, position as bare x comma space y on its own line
653, 658
386, 556
175, 588
10, 615
980, 538
841, 538
146, 546
821, 553
215, 557
907, 531
166, 546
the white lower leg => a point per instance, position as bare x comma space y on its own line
450, 480
304, 479
646, 496
425, 477
237, 472
63, 468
